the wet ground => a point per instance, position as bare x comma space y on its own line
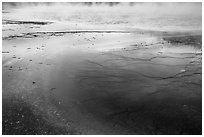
99, 81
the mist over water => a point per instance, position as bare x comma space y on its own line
155, 16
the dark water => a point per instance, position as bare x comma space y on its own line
145, 88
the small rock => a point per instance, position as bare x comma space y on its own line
5, 51
52, 88
34, 82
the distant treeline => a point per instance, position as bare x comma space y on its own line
89, 4
72, 3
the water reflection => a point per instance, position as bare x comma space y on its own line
106, 82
